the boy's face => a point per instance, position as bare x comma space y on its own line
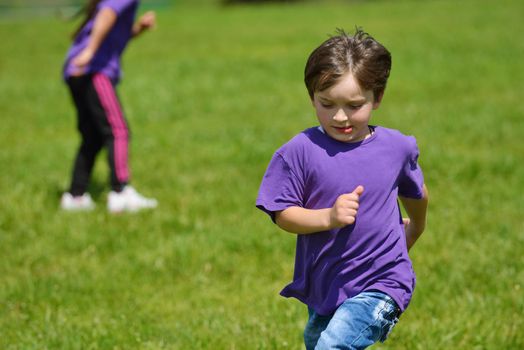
344, 110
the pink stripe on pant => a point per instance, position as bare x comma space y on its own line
115, 117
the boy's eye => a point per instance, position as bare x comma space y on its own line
326, 105
354, 106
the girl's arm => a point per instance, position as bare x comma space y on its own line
104, 21
416, 210
305, 221
146, 21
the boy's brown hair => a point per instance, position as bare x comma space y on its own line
360, 54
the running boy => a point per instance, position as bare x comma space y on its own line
92, 71
336, 186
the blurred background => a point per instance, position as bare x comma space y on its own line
210, 95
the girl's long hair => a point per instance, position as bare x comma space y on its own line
89, 10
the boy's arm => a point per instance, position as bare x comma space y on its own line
146, 21
416, 210
305, 221
104, 21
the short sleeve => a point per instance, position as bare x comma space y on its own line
118, 6
280, 189
411, 180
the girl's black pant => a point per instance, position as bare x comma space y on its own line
101, 123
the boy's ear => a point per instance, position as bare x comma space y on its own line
378, 99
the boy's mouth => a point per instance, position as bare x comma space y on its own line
344, 129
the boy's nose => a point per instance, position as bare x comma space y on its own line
340, 116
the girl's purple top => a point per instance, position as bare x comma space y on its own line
311, 171
107, 57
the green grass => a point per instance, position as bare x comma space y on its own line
210, 95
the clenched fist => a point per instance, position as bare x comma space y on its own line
345, 209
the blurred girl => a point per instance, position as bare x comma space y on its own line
92, 71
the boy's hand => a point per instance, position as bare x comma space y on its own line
344, 211
411, 231
408, 229
415, 223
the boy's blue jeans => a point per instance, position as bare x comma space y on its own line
358, 323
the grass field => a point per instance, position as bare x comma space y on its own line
210, 95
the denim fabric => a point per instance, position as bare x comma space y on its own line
358, 323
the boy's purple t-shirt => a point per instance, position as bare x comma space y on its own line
107, 57
311, 171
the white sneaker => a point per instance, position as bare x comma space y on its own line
128, 200
76, 203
